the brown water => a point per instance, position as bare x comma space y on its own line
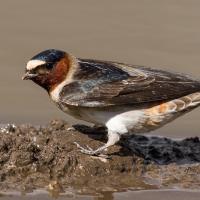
163, 34
144, 195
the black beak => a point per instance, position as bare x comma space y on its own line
28, 76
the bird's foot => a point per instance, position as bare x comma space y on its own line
91, 152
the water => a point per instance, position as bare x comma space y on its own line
164, 34
144, 195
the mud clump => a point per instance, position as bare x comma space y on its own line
38, 157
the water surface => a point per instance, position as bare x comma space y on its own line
139, 195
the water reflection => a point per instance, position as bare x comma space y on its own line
105, 196
129, 195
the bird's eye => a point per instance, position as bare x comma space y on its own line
44, 69
49, 65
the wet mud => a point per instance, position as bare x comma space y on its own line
46, 157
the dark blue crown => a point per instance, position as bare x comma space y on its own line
50, 55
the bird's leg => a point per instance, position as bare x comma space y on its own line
113, 138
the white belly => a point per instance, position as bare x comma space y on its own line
122, 121
132, 119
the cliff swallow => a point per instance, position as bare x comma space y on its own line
125, 98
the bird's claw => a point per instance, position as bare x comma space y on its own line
90, 151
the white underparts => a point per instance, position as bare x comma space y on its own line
55, 94
134, 120
32, 64
122, 123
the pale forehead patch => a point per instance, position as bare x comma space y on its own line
32, 64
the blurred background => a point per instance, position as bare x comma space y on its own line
161, 34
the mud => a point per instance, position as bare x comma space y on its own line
46, 157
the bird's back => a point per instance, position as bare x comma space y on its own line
103, 84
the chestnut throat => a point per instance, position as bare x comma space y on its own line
54, 77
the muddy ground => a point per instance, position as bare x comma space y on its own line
46, 157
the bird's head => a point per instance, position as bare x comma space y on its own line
48, 68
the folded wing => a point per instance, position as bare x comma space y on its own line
101, 84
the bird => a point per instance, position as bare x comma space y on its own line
126, 99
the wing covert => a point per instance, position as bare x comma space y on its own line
101, 84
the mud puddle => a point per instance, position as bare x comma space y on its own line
32, 158
140, 195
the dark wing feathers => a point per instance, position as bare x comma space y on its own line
101, 84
